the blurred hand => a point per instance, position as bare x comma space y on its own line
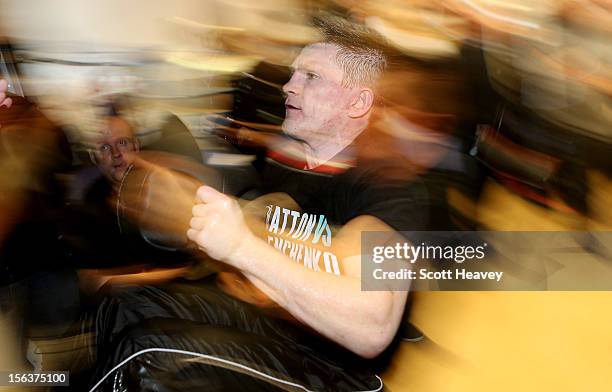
4, 100
90, 281
238, 286
218, 226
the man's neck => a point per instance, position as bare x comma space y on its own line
317, 155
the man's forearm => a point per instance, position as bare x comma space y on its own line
335, 306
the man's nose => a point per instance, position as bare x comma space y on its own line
292, 86
116, 152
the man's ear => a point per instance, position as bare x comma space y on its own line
362, 104
136, 144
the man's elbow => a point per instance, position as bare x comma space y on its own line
375, 342
380, 330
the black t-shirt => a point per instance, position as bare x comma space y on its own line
305, 232
383, 189
371, 188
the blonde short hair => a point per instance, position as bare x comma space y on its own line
361, 51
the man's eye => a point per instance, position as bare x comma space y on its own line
104, 148
312, 75
123, 142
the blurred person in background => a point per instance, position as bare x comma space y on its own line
38, 287
92, 225
99, 241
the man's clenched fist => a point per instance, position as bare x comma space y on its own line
218, 226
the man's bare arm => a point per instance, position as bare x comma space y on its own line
335, 306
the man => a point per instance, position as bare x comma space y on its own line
327, 108
92, 228
320, 318
100, 241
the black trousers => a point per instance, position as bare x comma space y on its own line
192, 336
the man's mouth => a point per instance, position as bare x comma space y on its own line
291, 107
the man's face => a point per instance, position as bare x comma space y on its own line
317, 104
116, 149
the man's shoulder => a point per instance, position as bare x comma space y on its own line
386, 190
383, 174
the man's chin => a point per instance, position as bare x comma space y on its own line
286, 127
118, 174
293, 133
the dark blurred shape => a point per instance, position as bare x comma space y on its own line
32, 151
176, 139
38, 288
259, 97
501, 153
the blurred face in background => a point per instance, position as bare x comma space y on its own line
116, 150
317, 104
